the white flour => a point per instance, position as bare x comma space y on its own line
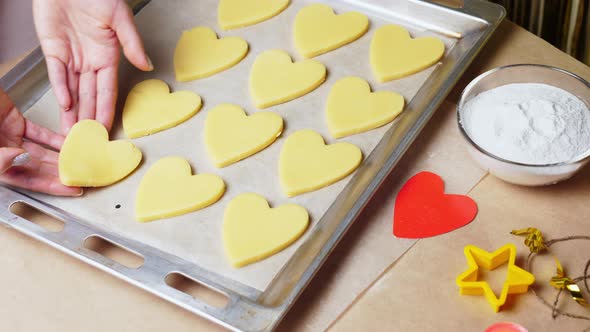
529, 123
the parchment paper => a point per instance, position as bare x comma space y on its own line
420, 294
197, 237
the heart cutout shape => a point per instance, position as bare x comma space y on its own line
88, 159
275, 79
252, 231
234, 14
306, 163
151, 108
200, 54
422, 209
231, 135
319, 30
394, 54
353, 109
169, 189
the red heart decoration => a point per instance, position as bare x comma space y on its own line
422, 209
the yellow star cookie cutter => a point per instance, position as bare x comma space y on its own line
517, 281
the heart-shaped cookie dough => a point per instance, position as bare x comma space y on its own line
275, 79
200, 54
231, 135
307, 164
394, 54
240, 13
150, 108
318, 30
88, 159
353, 109
252, 231
169, 189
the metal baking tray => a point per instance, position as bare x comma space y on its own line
258, 305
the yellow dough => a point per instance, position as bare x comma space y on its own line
252, 231
231, 135
318, 30
307, 164
394, 54
275, 79
353, 109
240, 13
88, 159
200, 54
169, 189
150, 108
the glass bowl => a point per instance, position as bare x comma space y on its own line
514, 172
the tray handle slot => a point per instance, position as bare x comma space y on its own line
37, 217
197, 290
114, 251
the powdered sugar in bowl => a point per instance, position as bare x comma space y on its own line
527, 124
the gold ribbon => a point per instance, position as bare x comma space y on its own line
534, 238
534, 241
577, 295
561, 281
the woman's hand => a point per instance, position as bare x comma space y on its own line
26, 163
80, 39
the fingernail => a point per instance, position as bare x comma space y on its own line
81, 193
21, 160
150, 63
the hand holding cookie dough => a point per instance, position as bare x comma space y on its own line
81, 41
25, 161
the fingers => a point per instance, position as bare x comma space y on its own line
43, 135
87, 93
49, 169
40, 174
58, 76
128, 36
6, 103
35, 180
70, 117
106, 96
8, 156
39, 153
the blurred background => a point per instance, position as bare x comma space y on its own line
17, 33
563, 23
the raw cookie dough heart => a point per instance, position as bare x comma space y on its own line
88, 159
353, 109
318, 30
275, 79
252, 231
169, 189
307, 164
394, 54
240, 13
231, 135
150, 108
200, 54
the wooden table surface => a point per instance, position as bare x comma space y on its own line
45, 290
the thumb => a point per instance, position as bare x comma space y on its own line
10, 157
128, 36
